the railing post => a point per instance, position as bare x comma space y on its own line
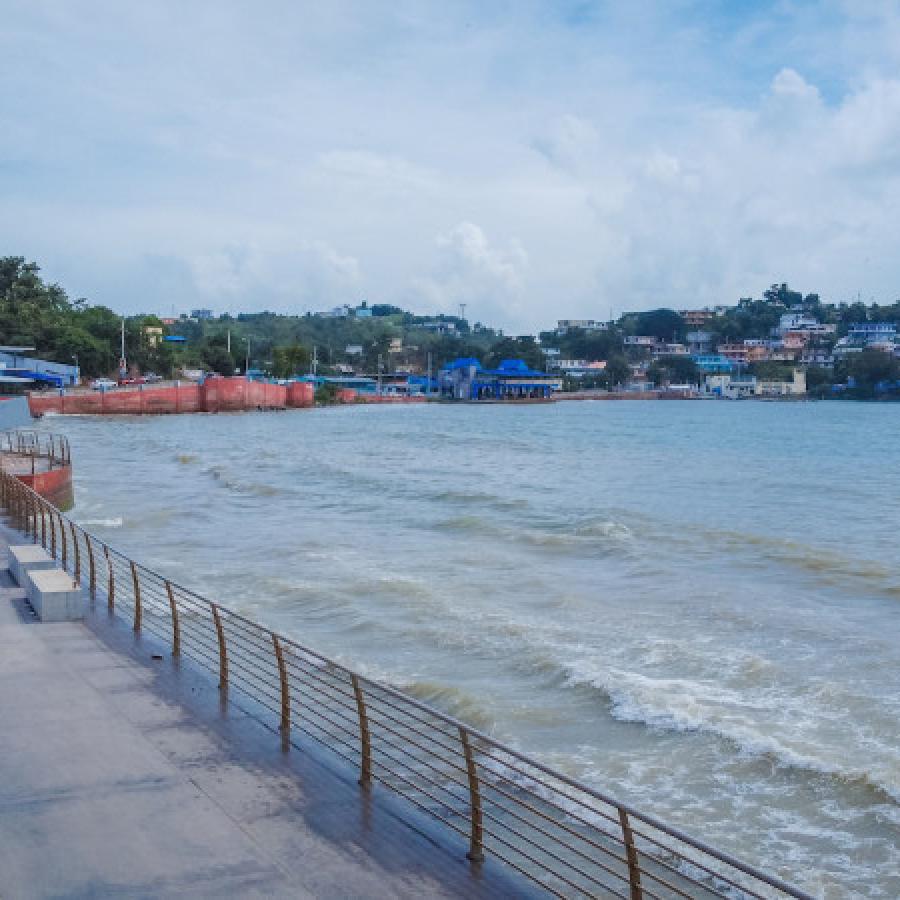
43, 524
365, 739
52, 533
111, 589
476, 839
634, 869
223, 651
138, 611
32, 499
65, 546
176, 628
77, 552
285, 724
92, 567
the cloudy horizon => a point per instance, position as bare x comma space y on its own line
531, 160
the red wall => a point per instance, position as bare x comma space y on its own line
214, 395
55, 485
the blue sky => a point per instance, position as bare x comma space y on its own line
532, 160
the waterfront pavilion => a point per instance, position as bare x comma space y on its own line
467, 379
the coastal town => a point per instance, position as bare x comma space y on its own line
784, 345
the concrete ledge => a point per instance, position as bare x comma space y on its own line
54, 596
24, 558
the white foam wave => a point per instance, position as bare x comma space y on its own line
112, 522
772, 725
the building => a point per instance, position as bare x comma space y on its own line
795, 387
336, 312
730, 387
640, 340
363, 312
353, 350
696, 318
467, 379
396, 345
578, 368
201, 314
565, 325
153, 334
20, 370
699, 341
735, 351
817, 356
713, 363
868, 336
663, 349
873, 331
437, 326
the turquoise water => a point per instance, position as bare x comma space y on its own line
695, 606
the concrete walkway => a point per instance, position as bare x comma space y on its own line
125, 776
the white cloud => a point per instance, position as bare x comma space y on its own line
470, 270
617, 160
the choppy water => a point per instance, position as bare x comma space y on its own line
695, 606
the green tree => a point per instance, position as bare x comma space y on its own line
617, 371
524, 348
870, 367
664, 324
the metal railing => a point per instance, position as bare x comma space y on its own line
36, 445
568, 838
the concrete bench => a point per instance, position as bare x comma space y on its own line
54, 595
23, 558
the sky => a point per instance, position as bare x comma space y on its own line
532, 160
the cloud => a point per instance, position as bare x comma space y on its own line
534, 161
470, 270
310, 275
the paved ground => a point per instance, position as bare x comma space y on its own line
16, 464
124, 776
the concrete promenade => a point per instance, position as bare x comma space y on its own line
124, 775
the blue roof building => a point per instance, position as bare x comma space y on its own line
467, 379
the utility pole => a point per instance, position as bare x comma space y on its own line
428, 383
379, 373
247, 362
228, 340
123, 363
315, 360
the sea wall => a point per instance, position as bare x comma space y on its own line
54, 486
214, 395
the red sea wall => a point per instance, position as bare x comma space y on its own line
54, 486
214, 395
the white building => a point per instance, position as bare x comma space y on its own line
565, 325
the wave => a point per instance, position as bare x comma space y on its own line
451, 700
112, 522
222, 475
588, 535
824, 564
687, 705
479, 498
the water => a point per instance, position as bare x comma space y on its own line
694, 606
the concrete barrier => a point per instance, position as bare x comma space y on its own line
54, 596
24, 558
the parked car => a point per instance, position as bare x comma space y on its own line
124, 381
102, 384
152, 378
